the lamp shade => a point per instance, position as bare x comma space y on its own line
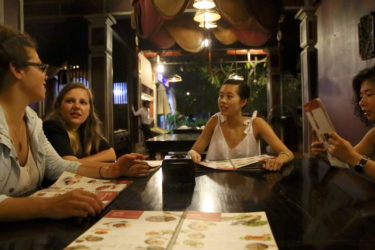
204, 4
175, 78
206, 16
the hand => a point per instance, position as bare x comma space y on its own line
318, 149
341, 148
76, 203
195, 156
132, 164
273, 164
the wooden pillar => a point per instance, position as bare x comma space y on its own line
274, 93
11, 13
101, 68
309, 67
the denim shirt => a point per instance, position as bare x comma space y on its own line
50, 165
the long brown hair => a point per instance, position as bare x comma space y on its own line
90, 131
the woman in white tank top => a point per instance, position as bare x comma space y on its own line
231, 135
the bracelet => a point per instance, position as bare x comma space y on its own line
290, 157
100, 172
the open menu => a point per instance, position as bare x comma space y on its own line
234, 164
322, 124
105, 189
133, 229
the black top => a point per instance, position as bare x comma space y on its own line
58, 137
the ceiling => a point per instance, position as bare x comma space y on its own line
50, 13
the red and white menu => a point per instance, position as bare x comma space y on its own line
105, 189
141, 230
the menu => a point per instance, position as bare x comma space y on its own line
234, 164
105, 189
141, 230
322, 124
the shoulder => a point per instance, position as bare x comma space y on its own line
53, 125
213, 121
258, 121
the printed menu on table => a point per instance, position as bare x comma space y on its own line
234, 164
134, 229
322, 124
106, 189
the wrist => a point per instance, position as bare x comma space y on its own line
361, 163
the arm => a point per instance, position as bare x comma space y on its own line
58, 137
263, 129
136, 113
203, 140
107, 155
76, 203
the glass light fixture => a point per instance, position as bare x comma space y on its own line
206, 16
175, 78
207, 25
206, 42
204, 4
235, 76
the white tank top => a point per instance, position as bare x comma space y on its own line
29, 177
219, 149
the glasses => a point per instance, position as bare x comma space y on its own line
43, 66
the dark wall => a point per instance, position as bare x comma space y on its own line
339, 61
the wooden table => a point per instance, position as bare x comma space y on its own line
171, 143
308, 204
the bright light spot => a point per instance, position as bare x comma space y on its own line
206, 42
160, 68
187, 93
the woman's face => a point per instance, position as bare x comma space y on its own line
229, 101
367, 99
35, 80
75, 107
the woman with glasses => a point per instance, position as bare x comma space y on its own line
74, 128
26, 156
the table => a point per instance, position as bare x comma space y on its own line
308, 204
171, 142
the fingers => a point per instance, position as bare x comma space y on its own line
272, 164
76, 203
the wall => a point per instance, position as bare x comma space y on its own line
339, 61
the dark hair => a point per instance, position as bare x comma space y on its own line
145, 103
12, 51
243, 88
90, 131
367, 74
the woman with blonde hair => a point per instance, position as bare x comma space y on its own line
74, 129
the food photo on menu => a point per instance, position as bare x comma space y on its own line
106, 190
143, 230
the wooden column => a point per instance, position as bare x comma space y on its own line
101, 68
11, 13
274, 93
309, 67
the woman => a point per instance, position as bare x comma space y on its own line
230, 135
26, 156
357, 156
74, 129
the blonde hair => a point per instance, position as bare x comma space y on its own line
89, 133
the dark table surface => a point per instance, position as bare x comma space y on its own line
171, 143
308, 204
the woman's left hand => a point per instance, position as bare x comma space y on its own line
273, 164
